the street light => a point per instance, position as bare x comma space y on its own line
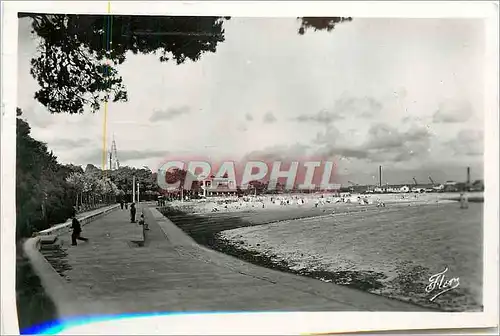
138, 193
133, 189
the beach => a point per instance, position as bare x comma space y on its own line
389, 250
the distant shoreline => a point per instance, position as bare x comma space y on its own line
474, 199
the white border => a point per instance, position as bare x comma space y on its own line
312, 322
8, 163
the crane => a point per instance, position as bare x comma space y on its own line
436, 187
416, 188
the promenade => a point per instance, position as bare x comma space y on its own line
111, 274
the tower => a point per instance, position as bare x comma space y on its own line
114, 163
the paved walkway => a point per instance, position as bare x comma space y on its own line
109, 274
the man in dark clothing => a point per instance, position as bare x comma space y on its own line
121, 204
132, 212
77, 230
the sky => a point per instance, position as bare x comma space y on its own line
404, 94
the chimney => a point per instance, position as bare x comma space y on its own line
380, 176
467, 186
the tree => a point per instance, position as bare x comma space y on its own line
76, 181
123, 177
257, 187
321, 23
478, 185
42, 194
176, 175
78, 54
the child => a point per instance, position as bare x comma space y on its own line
143, 222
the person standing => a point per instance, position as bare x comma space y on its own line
121, 204
77, 231
464, 202
133, 210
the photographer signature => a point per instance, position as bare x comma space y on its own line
439, 282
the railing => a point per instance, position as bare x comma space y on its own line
83, 218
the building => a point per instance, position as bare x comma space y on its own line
218, 186
404, 189
478, 185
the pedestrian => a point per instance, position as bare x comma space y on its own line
121, 204
126, 205
77, 231
132, 212
464, 202
143, 222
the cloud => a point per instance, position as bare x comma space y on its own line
330, 136
95, 156
383, 143
37, 121
409, 119
468, 142
322, 117
70, 143
169, 114
383, 136
249, 117
37, 116
278, 153
242, 128
453, 112
365, 107
269, 118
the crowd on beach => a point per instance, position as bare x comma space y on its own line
317, 200
234, 203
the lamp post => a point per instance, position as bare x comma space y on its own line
138, 192
133, 189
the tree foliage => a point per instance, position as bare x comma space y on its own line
258, 186
180, 175
321, 23
123, 179
78, 55
42, 195
47, 191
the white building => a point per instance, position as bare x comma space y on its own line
404, 189
219, 186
